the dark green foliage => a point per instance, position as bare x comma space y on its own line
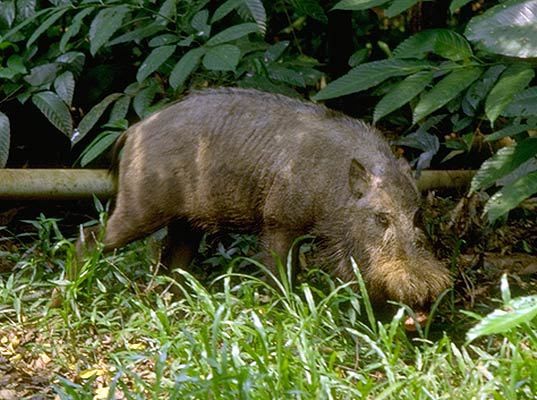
465, 76
48, 50
517, 313
115, 331
514, 22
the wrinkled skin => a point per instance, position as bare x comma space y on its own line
243, 160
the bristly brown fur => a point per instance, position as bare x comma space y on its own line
243, 160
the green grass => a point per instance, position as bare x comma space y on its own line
112, 328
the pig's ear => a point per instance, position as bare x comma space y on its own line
359, 179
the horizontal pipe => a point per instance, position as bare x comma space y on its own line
444, 179
55, 184
67, 184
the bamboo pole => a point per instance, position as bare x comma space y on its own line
68, 184
444, 179
55, 184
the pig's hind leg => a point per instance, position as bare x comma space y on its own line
131, 221
278, 247
181, 245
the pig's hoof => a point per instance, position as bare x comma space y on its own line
419, 318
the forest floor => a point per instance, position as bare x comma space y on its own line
115, 328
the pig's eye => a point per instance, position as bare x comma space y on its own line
382, 219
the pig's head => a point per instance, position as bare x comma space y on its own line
380, 228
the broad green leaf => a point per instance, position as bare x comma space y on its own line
64, 85
506, 160
225, 9
524, 104
25, 9
104, 25
74, 60
274, 52
509, 131
398, 6
7, 73
257, 10
91, 118
518, 311
98, 146
154, 60
233, 33
74, 28
463, 143
164, 39
370, 74
185, 66
199, 23
401, 94
480, 89
16, 64
24, 96
526, 168
422, 140
456, 4
508, 29
120, 109
265, 84
7, 13
358, 57
311, 75
44, 26
512, 81
156, 105
286, 75
133, 88
167, 12
4, 139
23, 24
445, 91
416, 46
138, 34
452, 154
222, 58
55, 110
311, 8
143, 100
42, 74
358, 4
511, 196
443, 42
60, 3
186, 42
118, 124
451, 45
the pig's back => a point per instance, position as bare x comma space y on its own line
221, 152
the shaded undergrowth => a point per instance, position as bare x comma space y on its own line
115, 327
